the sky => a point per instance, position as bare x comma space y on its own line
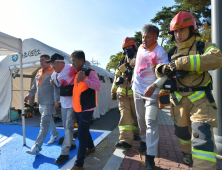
98, 27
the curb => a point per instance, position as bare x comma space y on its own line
116, 159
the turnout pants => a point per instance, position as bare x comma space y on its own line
68, 120
128, 125
46, 123
194, 125
146, 110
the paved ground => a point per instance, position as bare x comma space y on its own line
169, 153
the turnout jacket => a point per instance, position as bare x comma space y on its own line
197, 64
123, 90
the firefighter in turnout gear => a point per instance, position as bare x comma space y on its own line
128, 125
193, 108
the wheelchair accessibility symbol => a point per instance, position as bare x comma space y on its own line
15, 57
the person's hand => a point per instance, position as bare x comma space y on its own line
149, 91
56, 106
81, 76
52, 82
113, 96
166, 69
26, 98
172, 65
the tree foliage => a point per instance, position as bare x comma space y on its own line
114, 59
138, 38
205, 32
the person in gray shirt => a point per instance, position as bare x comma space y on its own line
45, 91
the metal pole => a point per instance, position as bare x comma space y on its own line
216, 18
22, 100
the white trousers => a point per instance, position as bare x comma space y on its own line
146, 110
68, 120
46, 123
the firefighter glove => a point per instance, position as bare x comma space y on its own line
166, 69
172, 65
113, 96
123, 68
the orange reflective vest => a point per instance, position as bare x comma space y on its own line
83, 97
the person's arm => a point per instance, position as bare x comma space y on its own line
92, 81
210, 60
56, 93
33, 89
31, 92
56, 96
159, 82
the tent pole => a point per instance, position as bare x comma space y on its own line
22, 99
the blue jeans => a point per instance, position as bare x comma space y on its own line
84, 136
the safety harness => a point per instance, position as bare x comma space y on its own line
170, 84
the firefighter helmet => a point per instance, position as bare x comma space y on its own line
181, 20
128, 42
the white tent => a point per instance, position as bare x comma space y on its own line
10, 45
32, 49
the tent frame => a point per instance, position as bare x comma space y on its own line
10, 45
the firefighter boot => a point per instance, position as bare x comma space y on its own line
123, 144
187, 158
150, 164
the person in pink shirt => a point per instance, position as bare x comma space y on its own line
84, 99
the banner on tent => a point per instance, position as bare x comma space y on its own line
31, 53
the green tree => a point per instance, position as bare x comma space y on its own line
114, 60
138, 38
205, 32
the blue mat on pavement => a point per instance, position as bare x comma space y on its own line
13, 155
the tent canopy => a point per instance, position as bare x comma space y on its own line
32, 49
9, 45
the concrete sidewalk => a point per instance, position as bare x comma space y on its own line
169, 152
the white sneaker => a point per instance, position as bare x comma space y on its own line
52, 139
34, 150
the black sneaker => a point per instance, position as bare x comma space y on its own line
142, 147
62, 159
150, 164
73, 147
123, 145
61, 140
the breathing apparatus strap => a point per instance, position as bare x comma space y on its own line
200, 49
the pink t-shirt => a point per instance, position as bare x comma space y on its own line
144, 71
65, 77
93, 83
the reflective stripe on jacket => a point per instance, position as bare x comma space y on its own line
197, 65
123, 89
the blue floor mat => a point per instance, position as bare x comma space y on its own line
13, 155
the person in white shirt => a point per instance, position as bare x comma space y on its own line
145, 83
63, 79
